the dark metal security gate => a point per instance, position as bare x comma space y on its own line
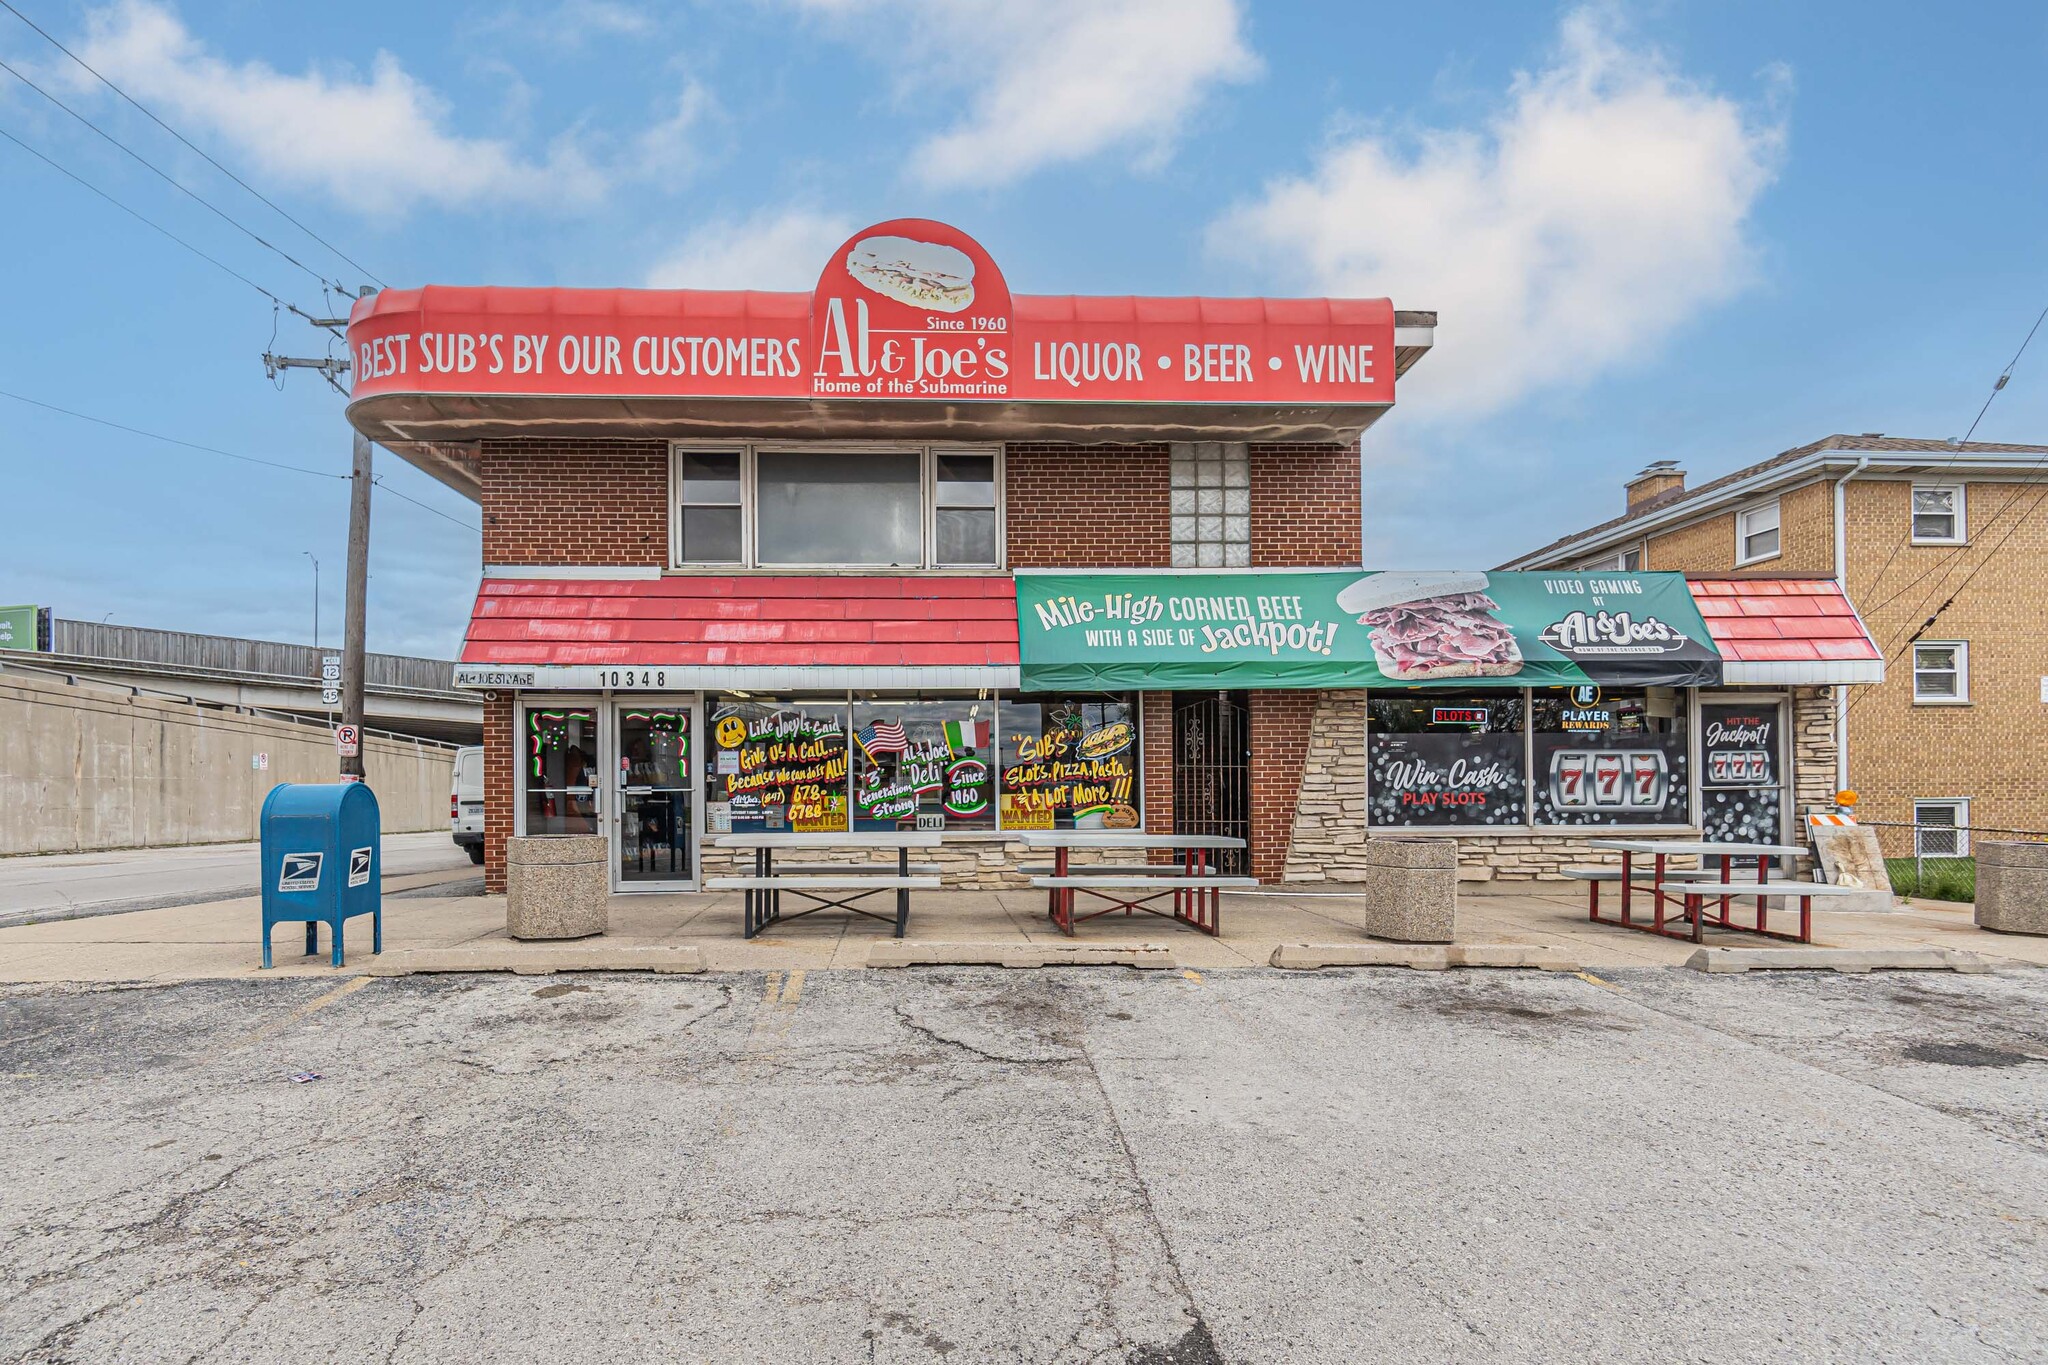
1212, 771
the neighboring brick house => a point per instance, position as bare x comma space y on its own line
1940, 546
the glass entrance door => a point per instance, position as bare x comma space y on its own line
1742, 794
656, 824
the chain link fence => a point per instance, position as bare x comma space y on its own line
1933, 859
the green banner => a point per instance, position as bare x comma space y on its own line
18, 627
1359, 628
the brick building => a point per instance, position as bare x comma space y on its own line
1938, 544
912, 550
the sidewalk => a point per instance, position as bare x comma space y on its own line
221, 939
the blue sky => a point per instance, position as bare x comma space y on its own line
1702, 231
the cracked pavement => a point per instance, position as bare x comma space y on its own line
983, 1165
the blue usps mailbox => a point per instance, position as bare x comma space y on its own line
322, 861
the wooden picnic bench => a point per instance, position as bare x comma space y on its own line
829, 886
1195, 887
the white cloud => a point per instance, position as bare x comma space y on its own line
1052, 81
1603, 207
770, 250
380, 142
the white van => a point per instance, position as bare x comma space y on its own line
466, 802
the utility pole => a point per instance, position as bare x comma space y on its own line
355, 619
355, 613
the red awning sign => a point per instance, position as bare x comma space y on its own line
906, 310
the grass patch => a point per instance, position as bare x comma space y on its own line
1941, 879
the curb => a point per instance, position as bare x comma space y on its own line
899, 953
1422, 957
536, 960
1855, 961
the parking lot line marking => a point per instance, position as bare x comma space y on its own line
794, 990
1195, 977
317, 1003
774, 988
1588, 976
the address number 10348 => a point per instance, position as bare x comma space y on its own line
632, 677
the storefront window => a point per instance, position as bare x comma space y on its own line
561, 770
1445, 758
777, 766
1610, 756
1069, 763
924, 765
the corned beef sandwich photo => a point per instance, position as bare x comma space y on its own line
1433, 625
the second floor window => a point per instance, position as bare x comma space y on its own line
1937, 514
1624, 561
1756, 533
815, 506
1941, 672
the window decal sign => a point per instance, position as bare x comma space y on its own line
907, 309
1362, 629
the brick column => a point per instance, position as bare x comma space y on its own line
501, 751
1281, 722
1156, 767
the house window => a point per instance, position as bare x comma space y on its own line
1941, 829
1756, 533
1211, 505
1941, 673
796, 507
1624, 561
1938, 514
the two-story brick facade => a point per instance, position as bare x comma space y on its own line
1940, 546
910, 551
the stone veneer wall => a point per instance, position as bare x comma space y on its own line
1328, 842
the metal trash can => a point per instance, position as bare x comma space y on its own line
323, 861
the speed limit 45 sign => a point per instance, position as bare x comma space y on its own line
348, 741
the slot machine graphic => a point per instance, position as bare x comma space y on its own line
1600, 780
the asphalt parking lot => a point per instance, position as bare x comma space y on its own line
1079, 1165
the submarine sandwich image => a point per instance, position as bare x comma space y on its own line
1433, 625
921, 274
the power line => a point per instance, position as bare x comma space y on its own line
229, 454
379, 482
144, 110
146, 222
174, 182
169, 440
2004, 377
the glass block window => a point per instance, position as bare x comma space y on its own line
1212, 505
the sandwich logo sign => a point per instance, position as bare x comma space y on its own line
911, 309
1352, 629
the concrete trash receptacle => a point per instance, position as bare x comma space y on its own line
2012, 886
557, 886
1411, 889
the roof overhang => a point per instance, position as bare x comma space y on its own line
1801, 673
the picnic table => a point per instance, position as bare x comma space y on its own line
1193, 883
833, 886
1688, 889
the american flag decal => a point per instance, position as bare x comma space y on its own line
884, 737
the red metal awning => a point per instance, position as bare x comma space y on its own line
1787, 631
757, 632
